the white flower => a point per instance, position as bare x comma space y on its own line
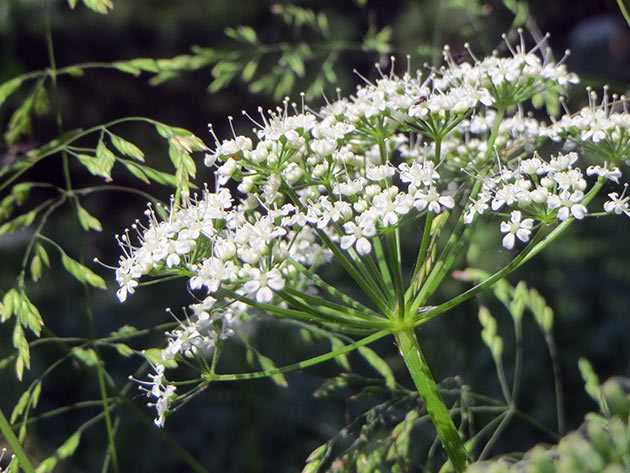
358, 236
510, 194
478, 206
158, 389
602, 171
516, 228
389, 209
433, 201
533, 166
618, 204
127, 286
378, 173
418, 174
562, 162
212, 273
568, 204
260, 284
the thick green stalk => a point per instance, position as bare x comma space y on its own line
13, 442
428, 390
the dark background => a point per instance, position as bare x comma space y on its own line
256, 426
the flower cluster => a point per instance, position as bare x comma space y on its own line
601, 129
160, 391
311, 187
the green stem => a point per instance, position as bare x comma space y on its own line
13, 442
536, 245
418, 274
300, 365
106, 410
428, 390
557, 381
624, 11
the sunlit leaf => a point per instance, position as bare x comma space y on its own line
87, 221
127, 148
82, 273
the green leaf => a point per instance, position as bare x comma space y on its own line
220, 83
41, 105
489, 333
72, 4
154, 355
181, 159
82, 273
145, 64
95, 166
249, 70
24, 356
28, 315
329, 72
99, 6
20, 406
87, 221
284, 85
591, 380
268, 364
125, 331
6, 207
127, 148
21, 191
378, 41
17, 223
519, 301
106, 158
68, 448
87, 356
520, 10
37, 391
47, 465
123, 66
244, 34
322, 22
74, 71
295, 62
401, 436
20, 122
191, 141
7, 88
36, 268
136, 170
124, 350
10, 302
43, 255
380, 365
336, 344
316, 459
160, 177
5, 362
543, 314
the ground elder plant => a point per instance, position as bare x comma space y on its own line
435, 153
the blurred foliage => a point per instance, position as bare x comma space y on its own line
601, 444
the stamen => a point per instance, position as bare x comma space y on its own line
362, 77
